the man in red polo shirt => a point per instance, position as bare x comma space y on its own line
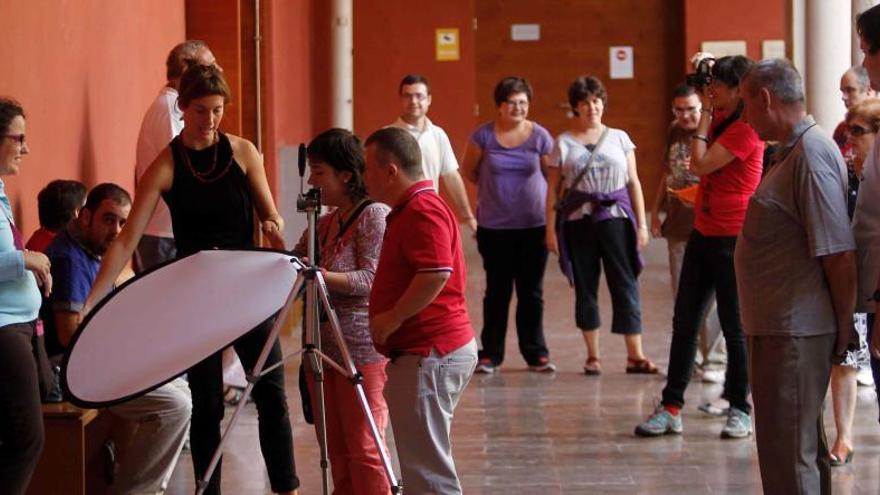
418, 316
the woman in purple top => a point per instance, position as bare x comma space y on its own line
504, 158
349, 241
603, 221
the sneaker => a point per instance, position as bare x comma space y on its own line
543, 366
713, 376
738, 425
865, 378
485, 366
661, 422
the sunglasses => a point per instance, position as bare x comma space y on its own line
15, 137
857, 130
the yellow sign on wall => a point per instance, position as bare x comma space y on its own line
447, 40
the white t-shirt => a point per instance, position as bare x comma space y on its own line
162, 122
608, 172
866, 230
437, 155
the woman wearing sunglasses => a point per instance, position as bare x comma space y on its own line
862, 124
21, 418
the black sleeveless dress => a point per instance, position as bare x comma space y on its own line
210, 203
211, 207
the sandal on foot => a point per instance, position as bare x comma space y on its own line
593, 367
837, 461
642, 366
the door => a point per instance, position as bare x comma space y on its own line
575, 37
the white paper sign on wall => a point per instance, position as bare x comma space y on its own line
621, 62
525, 32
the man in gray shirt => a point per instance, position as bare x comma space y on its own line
795, 271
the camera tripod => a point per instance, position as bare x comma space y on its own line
310, 278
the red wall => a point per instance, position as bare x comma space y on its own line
85, 73
751, 20
393, 38
287, 86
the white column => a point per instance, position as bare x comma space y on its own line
796, 37
858, 6
828, 48
342, 76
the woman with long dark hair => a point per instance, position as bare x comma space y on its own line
727, 156
212, 182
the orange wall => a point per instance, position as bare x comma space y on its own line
393, 38
287, 87
85, 72
719, 20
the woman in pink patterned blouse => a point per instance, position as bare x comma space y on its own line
349, 241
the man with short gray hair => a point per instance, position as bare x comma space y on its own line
855, 87
795, 271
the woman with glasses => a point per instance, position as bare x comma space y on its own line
726, 154
21, 272
602, 221
504, 158
862, 124
678, 223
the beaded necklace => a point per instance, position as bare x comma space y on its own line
204, 177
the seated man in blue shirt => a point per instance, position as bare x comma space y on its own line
162, 416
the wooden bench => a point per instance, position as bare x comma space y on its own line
72, 462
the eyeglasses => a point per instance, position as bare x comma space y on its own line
685, 111
15, 137
857, 130
416, 96
518, 103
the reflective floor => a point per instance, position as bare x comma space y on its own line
517, 432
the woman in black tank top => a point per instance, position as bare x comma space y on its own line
212, 183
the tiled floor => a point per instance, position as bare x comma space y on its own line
521, 433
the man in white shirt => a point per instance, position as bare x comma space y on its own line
161, 124
438, 159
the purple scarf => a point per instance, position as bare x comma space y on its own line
602, 202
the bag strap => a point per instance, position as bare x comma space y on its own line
354, 216
586, 168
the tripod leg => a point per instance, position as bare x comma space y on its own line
357, 382
202, 484
314, 362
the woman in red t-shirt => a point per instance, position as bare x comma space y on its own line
727, 155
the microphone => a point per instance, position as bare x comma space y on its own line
302, 160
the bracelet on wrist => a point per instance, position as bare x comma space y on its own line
701, 137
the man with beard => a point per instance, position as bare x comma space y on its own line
161, 416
